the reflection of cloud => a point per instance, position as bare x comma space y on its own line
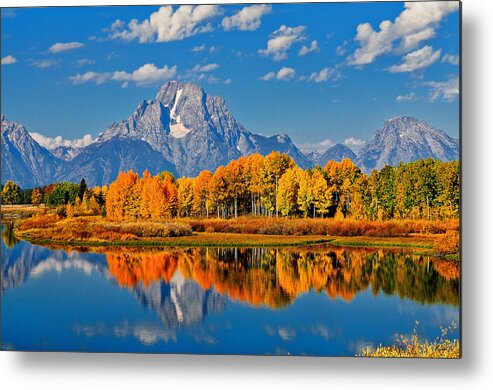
285, 333
99, 329
322, 331
147, 333
52, 264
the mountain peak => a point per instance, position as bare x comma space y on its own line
405, 139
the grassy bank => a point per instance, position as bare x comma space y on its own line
97, 231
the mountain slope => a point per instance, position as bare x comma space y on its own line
336, 152
405, 139
101, 162
195, 131
24, 161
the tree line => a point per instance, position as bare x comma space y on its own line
275, 186
271, 185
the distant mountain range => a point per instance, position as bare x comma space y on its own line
183, 130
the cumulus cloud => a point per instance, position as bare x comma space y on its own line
167, 24
447, 90
53, 143
325, 74
417, 59
248, 19
313, 48
281, 40
408, 97
8, 60
228, 81
284, 74
414, 25
355, 144
147, 74
451, 59
61, 47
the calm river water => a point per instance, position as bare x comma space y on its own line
319, 300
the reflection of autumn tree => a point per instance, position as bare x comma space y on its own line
275, 277
8, 235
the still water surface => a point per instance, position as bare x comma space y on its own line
319, 300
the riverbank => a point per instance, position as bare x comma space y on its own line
97, 231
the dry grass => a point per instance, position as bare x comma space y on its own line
243, 231
448, 243
51, 228
441, 348
319, 226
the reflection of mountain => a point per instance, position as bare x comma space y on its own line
24, 260
179, 302
185, 285
275, 277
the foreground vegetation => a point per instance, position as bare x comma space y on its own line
243, 231
440, 348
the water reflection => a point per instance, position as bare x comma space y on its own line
275, 277
178, 290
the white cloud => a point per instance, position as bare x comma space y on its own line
9, 60
268, 76
52, 143
325, 74
319, 147
447, 90
198, 49
147, 74
83, 62
284, 74
166, 24
415, 24
355, 144
451, 59
342, 48
43, 64
281, 41
248, 19
311, 49
228, 81
417, 59
61, 47
204, 68
408, 97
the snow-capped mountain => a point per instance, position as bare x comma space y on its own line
405, 139
23, 160
336, 152
183, 130
194, 131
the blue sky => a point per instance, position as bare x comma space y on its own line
322, 73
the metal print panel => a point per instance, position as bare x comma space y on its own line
279, 179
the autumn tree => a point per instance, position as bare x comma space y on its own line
124, 197
287, 194
10, 193
201, 195
305, 192
275, 164
36, 197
